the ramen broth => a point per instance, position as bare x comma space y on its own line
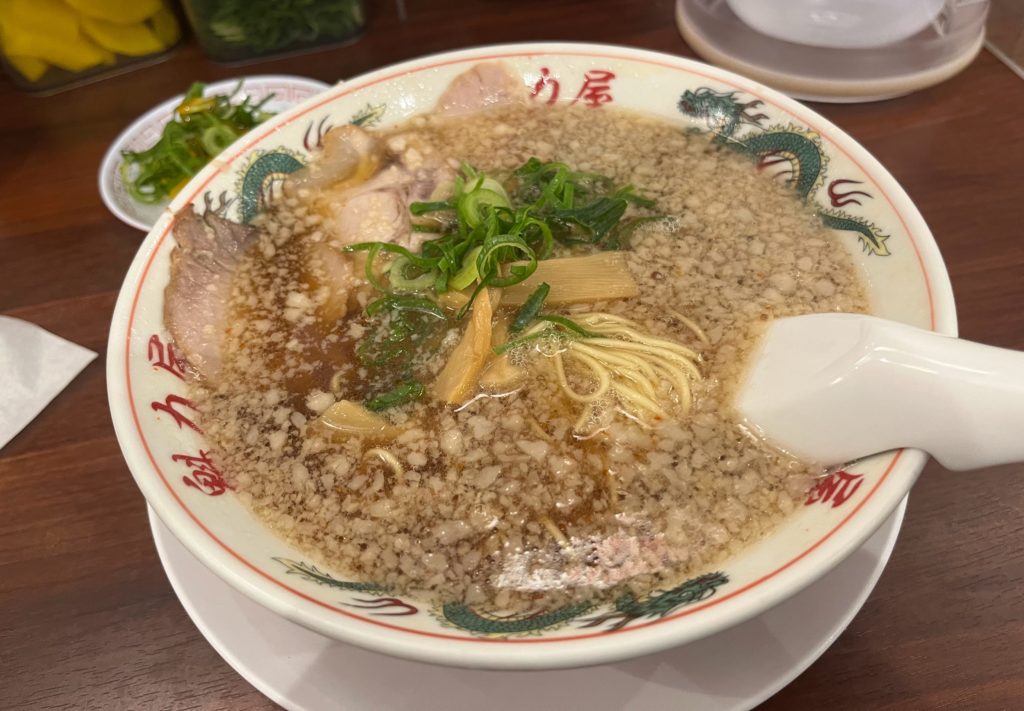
501, 500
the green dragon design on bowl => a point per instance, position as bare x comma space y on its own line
625, 609
725, 115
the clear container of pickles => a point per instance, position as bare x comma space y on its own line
239, 30
48, 45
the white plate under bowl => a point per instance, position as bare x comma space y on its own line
874, 220
144, 131
736, 669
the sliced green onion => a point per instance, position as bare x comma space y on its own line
494, 186
401, 282
371, 276
596, 219
573, 328
399, 395
471, 206
484, 191
468, 274
569, 324
217, 138
374, 247
501, 249
492, 238
405, 303
469, 304
422, 208
530, 308
628, 195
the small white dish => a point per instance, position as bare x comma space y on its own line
144, 131
735, 669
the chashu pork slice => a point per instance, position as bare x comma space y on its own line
364, 188
483, 86
373, 206
208, 252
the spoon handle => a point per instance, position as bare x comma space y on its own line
969, 409
857, 385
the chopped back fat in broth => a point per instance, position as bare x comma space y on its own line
498, 501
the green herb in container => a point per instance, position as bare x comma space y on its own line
236, 30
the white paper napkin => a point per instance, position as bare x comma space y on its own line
35, 365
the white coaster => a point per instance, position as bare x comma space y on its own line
837, 75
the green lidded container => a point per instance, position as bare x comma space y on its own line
239, 30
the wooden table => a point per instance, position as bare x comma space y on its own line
87, 618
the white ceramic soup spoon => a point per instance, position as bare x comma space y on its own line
831, 388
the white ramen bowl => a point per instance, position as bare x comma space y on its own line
166, 453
